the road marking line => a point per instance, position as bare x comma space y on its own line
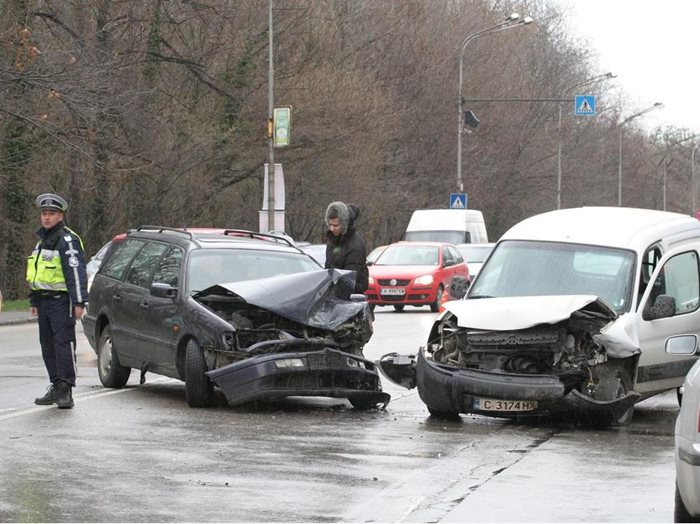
414, 503
80, 398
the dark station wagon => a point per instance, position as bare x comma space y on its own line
247, 312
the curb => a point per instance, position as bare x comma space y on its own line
16, 321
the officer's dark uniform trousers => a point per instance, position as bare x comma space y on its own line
57, 336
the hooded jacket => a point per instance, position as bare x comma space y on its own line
348, 250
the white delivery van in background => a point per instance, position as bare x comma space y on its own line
457, 226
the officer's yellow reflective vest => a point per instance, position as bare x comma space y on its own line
44, 267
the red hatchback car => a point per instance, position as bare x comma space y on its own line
414, 273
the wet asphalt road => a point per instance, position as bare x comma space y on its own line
142, 455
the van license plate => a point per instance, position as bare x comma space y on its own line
495, 404
393, 291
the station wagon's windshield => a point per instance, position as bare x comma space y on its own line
218, 266
528, 268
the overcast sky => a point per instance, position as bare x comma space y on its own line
652, 46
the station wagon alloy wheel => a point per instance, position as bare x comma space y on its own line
112, 373
198, 388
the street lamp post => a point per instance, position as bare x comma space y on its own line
511, 22
657, 105
595, 79
665, 161
270, 123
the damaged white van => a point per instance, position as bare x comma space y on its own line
570, 314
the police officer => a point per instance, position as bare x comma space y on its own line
58, 280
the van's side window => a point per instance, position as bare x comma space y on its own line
680, 279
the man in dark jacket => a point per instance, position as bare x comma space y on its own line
345, 249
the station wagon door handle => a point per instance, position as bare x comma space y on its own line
117, 297
144, 304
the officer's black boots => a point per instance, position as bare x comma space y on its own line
48, 398
64, 395
59, 393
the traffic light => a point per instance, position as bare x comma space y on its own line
470, 119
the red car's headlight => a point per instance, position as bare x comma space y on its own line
424, 280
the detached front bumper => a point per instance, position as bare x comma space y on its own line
324, 373
447, 389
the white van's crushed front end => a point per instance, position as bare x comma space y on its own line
516, 356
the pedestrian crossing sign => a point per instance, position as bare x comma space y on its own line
584, 105
458, 201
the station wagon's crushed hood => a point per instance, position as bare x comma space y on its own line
319, 299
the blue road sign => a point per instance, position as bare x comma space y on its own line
458, 201
584, 105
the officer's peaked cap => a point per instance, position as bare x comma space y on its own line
51, 201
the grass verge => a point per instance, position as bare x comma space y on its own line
16, 305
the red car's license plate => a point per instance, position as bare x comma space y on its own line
392, 291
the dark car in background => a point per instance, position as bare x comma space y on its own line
245, 311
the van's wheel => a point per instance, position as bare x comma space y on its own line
199, 390
435, 306
112, 374
399, 308
604, 419
444, 415
622, 389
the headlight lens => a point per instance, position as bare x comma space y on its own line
425, 280
289, 363
371, 281
355, 363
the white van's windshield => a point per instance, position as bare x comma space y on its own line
529, 268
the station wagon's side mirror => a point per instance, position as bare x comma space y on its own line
664, 307
458, 287
161, 290
682, 345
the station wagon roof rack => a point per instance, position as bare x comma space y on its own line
162, 229
258, 235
